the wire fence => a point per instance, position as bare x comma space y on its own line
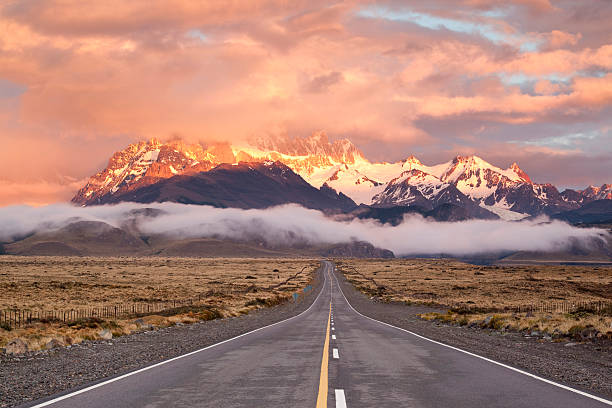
601, 307
567, 307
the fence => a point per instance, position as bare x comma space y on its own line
15, 318
565, 306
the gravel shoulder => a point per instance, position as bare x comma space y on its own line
36, 375
586, 366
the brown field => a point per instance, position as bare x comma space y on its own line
226, 287
474, 292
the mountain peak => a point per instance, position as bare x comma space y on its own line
412, 160
317, 144
465, 159
519, 172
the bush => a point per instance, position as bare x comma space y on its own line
209, 314
575, 330
496, 323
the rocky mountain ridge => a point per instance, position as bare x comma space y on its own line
467, 181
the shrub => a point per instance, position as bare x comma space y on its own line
575, 331
497, 322
209, 314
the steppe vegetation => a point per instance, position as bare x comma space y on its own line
226, 287
555, 302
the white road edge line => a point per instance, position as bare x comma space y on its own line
335, 353
565, 387
91, 387
340, 399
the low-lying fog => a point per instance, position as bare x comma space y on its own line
291, 224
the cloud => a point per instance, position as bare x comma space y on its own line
558, 39
112, 72
291, 224
37, 193
322, 83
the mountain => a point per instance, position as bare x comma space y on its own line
95, 238
340, 167
241, 185
146, 163
591, 193
395, 215
509, 193
79, 238
415, 187
594, 212
358, 249
316, 145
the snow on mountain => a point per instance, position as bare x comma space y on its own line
145, 163
413, 187
509, 193
340, 165
317, 145
417, 188
592, 193
359, 187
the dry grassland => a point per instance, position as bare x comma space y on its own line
227, 287
473, 293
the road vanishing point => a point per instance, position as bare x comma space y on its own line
328, 356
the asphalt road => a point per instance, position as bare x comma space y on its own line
329, 353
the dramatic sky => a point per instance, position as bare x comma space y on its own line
510, 80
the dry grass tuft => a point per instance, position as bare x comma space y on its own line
227, 287
478, 294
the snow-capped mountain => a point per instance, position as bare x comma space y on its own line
466, 181
145, 163
245, 185
415, 187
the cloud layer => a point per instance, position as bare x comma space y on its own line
510, 80
292, 225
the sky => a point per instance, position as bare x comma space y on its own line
510, 80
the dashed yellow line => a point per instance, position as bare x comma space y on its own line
322, 398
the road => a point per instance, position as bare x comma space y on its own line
330, 355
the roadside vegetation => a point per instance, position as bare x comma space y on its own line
223, 287
557, 303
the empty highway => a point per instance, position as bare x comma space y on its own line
330, 355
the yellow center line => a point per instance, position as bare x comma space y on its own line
322, 398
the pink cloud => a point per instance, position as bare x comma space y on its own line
107, 73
